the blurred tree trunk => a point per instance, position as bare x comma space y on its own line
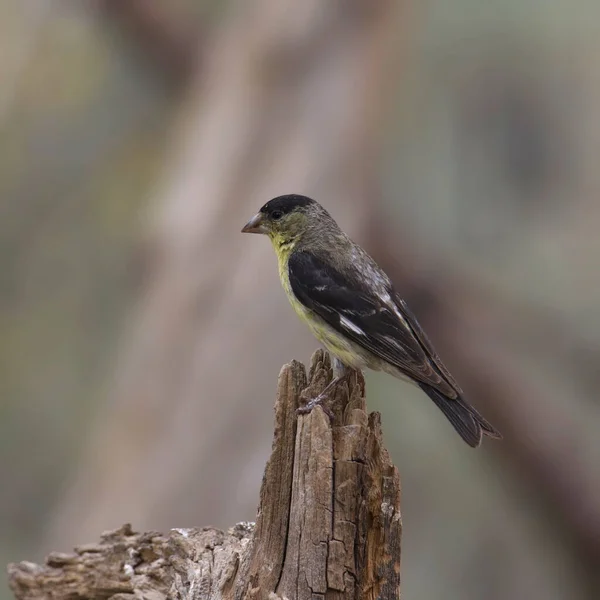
289, 100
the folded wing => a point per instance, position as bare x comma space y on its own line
378, 321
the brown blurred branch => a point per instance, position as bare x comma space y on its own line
289, 100
164, 38
541, 445
328, 521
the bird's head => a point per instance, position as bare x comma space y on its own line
286, 219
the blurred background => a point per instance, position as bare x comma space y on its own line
141, 334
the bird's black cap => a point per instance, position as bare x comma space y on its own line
286, 204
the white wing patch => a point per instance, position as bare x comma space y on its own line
392, 305
351, 326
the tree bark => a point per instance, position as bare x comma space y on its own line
328, 522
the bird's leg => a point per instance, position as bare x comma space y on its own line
342, 374
340, 369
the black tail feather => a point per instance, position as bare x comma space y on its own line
470, 425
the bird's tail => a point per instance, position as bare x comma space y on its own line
465, 419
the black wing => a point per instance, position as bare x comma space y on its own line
426, 343
381, 325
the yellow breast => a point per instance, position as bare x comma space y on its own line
350, 354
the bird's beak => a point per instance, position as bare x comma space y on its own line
255, 225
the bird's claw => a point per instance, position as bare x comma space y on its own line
318, 401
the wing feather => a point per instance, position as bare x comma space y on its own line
379, 323
426, 343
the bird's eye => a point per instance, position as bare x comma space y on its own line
276, 215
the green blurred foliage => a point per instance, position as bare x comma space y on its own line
82, 143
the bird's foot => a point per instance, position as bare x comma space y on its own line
318, 401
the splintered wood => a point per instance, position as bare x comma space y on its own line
329, 518
328, 523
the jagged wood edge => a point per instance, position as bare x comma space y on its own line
343, 521
127, 565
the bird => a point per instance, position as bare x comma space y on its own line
354, 311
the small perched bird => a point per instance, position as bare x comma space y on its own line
352, 308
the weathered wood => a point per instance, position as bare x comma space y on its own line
343, 536
328, 524
188, 563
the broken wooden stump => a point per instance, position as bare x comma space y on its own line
328, 523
